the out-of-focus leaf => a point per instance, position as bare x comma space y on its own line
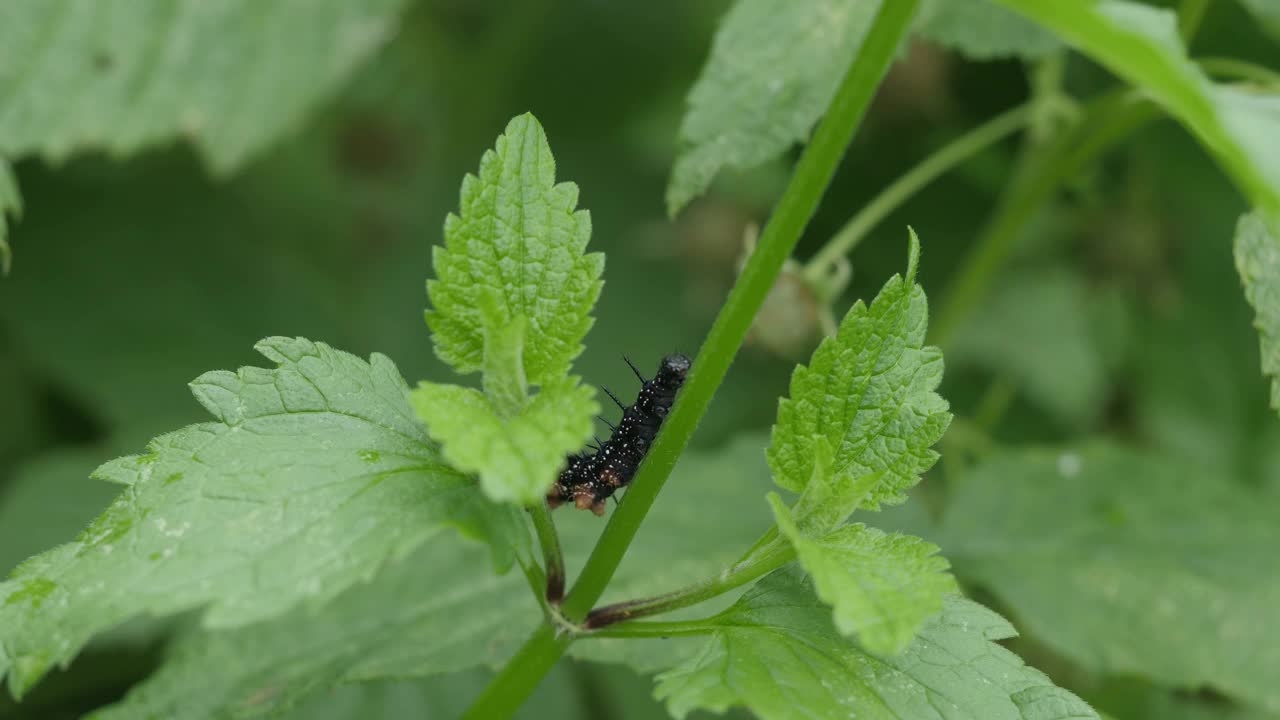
869, 392
519, 242
776, 652
1038, 329
1257, 251
442, 609
10, 205
314, 476
1267, 12
1141, 44
230, 75
773, 69
983, 30
1128, 563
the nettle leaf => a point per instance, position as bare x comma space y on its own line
1126, 562
10, 204
516, 456
776, 652
869, 393
442, 609
772, 72
119, 75
1141, 44
518, 237
315, 475
830, 498
982, 30
1257, 251
882, 586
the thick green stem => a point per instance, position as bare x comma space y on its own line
552, 556
512, 686
910, 183
812, 175
1105, 121
779, 553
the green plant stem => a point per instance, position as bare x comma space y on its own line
522, 673
911, 182
552, 556
1104, 122
768, 559
1239, 70
682, 628
813, 173
1190, 15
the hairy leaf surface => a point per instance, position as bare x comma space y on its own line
1127, 562
868, 392
315, 474
776, 652
983, 30
517, 243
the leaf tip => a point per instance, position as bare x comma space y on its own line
913, 254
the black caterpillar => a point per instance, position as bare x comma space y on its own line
591, 479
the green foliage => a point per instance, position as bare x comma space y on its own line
882, 586
121, 75
10, 204
1141, 44
776, 652
983, 30
517, 240
1257, 251
1267, 12
314, 475
869, 392
1127, 562
770, 76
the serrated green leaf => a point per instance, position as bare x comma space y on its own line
1128, 563
772, 72
10, 204
314, 476
869, 391
1257, 251
517, 233
982, 30
505, 384
882, 587
830, 498
121, 75
442, 609
776, 652
516, 457
1141, 44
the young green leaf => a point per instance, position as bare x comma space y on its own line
10, 204
1257, 251
314, 476
1141, 44
830, 498
982, 30
516, 456
869, 392
518, 237
1128, 563
442, 609
505, 384
772, 72
120, 75
776, 652
883, 587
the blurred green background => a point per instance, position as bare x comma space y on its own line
1120, 316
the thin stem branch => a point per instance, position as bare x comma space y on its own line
552, 556
912, 182
508, 690
762, 563
681, 628
1236, 69
812, 175
1105, 122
